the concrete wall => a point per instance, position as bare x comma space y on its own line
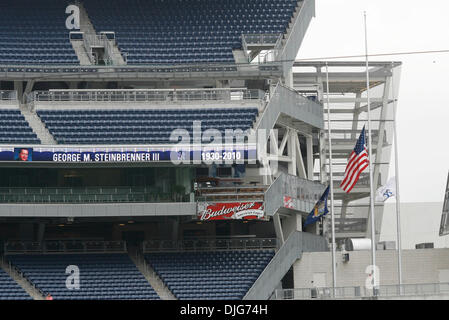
419, 266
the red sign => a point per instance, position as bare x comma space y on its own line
288, 202
230, 210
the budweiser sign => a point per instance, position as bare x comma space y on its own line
230, 210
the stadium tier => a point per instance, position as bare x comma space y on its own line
185, 31
34, 32
10, 290
210, 275
15, 129
139, 126
174, 149
103, 276
149, 32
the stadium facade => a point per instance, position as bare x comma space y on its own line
173, 149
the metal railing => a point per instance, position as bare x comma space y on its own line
90, 195
66, 246
358, 292
209, 244
149, 95
271, 40
8, 95
231, 193
94, 40
161, 70
261, 39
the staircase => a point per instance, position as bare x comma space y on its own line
80, 50
297, 243
148, 272
37, 126
87, 27
289, 103
21, 281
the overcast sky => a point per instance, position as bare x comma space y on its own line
423, 106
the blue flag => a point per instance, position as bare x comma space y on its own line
319, 210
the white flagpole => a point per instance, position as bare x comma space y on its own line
373, 225
331, 184
398, 199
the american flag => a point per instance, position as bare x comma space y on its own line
358, 161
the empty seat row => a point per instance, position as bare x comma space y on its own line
10, 290
99, 276
138, 23
39, 28
142, 126
197, 276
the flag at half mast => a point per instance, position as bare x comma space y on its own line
357, 163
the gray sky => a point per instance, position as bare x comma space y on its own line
423, 106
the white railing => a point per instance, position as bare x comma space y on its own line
267, 40
209, 244
149, 95
66, 246
8, 95
99, 41
357, 292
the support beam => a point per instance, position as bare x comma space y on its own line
278, 229
309, 140
298, 158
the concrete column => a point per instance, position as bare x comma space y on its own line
18, 86
291, 224
73, 85
278, 228
309, 140
40, 232
26, 231
291, 153
288, 78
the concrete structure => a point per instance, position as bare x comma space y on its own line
419, 267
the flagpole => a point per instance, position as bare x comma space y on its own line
373, 225
331, 183
398, 199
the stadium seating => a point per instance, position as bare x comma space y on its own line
15, 129
187, 31
34, 32
102, 276
10, 290
148, 32
226, 275
139, 126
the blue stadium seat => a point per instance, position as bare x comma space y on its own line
139, 126
102, 276
15, 129
10, 290
210, 275
180, 31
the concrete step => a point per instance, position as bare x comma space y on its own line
21, 281
80, 50
239, 56
148, 272
37, 126
117, 56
